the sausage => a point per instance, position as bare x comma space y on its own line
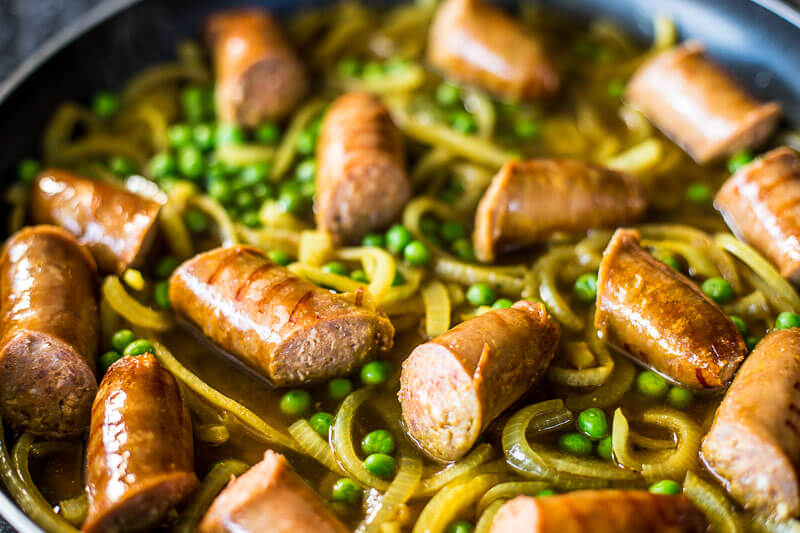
453, 386
362, 183
658, 316
280, 325
754, 442
600, 511
259, 77
140, 454
475, 43
269, 497
116, 225
760, 204
698, 105
528, 201
49, 332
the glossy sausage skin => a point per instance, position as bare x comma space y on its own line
453, 386
761, 204
116, 225
259, 77
698, 105
282, 326
270, 497
528, 201
658, 316
362, 183
600, 511
49, 332
754, 443
475, 43
140, 454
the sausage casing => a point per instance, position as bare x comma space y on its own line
282, 326
658, 316
698, 105
754, 443
362, 183
116, 225
269, 497
453, 386
600, 511
475, 43
528, 201
761, 204
259, 77
49, 332
140, 453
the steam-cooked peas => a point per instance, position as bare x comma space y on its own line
376, 372
251, 219
718, 290
372, 70
397, 237
448, 94
204, 136
165, 267
575, 443
672, 261
28, 169
179, 135
220, 190
349, 67
751, 342
679, 398
121, 166
373, 239
279, 256
335, 267
651, 385
105, 104
738, 160
108, 359
545, 493
380, 464
261, 191
592, 422
196, 103
308, 189
461, 526
527, 128
268, 133
163, 164
698, 193
138, 347
502, 303
416, 253
666, 486
480, 294
254, 173
463, 249
228, 134
245, 199
359, 275
463, 122
452, 231
399, 279
740, 324
787, 320
306, 170
615, 88
346, 491
290, 200
338, 388
295, 402
196, 221
429, 226
603, 448
321, 423
121, 339
161, 295
306, 143
190, 162
585, 287
378, 441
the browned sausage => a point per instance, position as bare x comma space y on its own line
259, 77
654, 313
528, 201
475, 43
600, 511
49, 332
282, 326
754, 444
362, 183
140, 453
453, 386
270, 497
761, 204
696, 104
116, 225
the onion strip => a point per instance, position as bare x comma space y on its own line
137, 314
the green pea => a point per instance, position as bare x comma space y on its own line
740, 324
254, 173
671, 260
321, 423
461, 526
666, 486
585, 287
359, 275
452, 231
196, 221
395, 65
229, 134
463, 122
121, 339
751, 342
290, 201
245, 199
545, 493
399, 279
527, 128
346, 491
251, 219
204, 136
575, 443
220, 190
463, 249
604, 448
593, 423
480, 294
306, 143
122, 166
448, 94
28, 169
738, 160
261, 191
349, 67
787, 320
190, 162
165, 267
373, 239
335, 267
163, 164
138, 347
268, 133
416, 253
105, 104
338, 388
718, 290
615, 88
195, 102
502, 303
372, 71
161, 295
397, 238
179, 135
680, 398
651, 385
378, 441
295, 402
306, 170
279, 256
376, 372
380, 464
108, 359
308, 189
698, 193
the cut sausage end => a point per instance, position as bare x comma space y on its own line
270, 89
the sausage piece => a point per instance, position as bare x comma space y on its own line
475, 43
761, 204
698, 105
528, 201
453, 386
259, 77
140, 453
116, 225
49, 332
658, 316
600, 511
282, 326
270, 497
362, 183
754, 443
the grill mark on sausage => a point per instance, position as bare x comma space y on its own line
272, 289
257, 272
303, 299
767, 188
223, 264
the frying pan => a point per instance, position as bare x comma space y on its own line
757, 39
